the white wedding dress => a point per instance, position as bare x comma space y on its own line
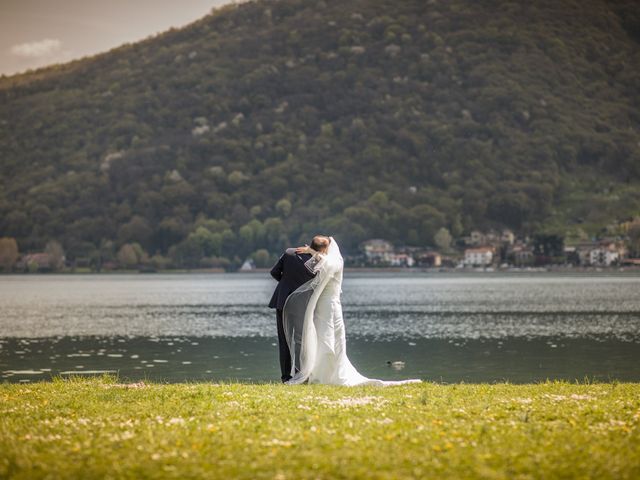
314, 327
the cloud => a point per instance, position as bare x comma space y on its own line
37, 49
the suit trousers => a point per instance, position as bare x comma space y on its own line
285, 354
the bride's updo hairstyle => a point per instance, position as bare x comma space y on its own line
320, 243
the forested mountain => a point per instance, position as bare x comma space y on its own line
268, 121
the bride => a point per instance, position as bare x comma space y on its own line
313, 324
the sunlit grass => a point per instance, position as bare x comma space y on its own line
91, 428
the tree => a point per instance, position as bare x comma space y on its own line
127, 256
261, 258
246, 236
141, 255
209, 242
56, 254
107, 251
443, 239
17, 223
237, 178
283, 207
275, 234
187, 253
171, 230
634, 238
136, 230
8, 253
159, 262
510, 208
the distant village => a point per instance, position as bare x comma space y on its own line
480, 250
498, 250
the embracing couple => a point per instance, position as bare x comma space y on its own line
309, 316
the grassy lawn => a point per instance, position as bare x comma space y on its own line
102, 428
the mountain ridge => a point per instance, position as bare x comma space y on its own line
265, 122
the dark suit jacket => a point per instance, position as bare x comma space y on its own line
290, 273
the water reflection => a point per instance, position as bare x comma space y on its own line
383, 305
254, 359
211, 327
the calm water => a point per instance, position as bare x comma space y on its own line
459, 327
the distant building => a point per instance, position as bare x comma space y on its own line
604, 255
401, 260
36, 262
479, 257
248, 265
377, 251
477, 238
598, 254
571, 254
492, 238
520, 255
429, 259
581, 253
507, 237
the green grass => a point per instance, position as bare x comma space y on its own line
101, 428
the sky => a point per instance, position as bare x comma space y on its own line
35, 33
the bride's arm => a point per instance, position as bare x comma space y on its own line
306, 249
314, 263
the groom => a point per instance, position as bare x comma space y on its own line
290, 272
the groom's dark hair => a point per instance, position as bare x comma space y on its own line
320, 243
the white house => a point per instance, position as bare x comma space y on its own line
378, 251
402, 260
582, 251
481, 256
604, 255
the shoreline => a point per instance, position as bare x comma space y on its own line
598, 271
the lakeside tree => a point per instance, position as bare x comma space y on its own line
127, 256
8, 253
56, 255
634, 238
262, 258
443, 239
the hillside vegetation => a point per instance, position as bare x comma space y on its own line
266, 122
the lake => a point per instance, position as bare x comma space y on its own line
216, 327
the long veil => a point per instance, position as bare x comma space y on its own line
300, 330
298, 310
